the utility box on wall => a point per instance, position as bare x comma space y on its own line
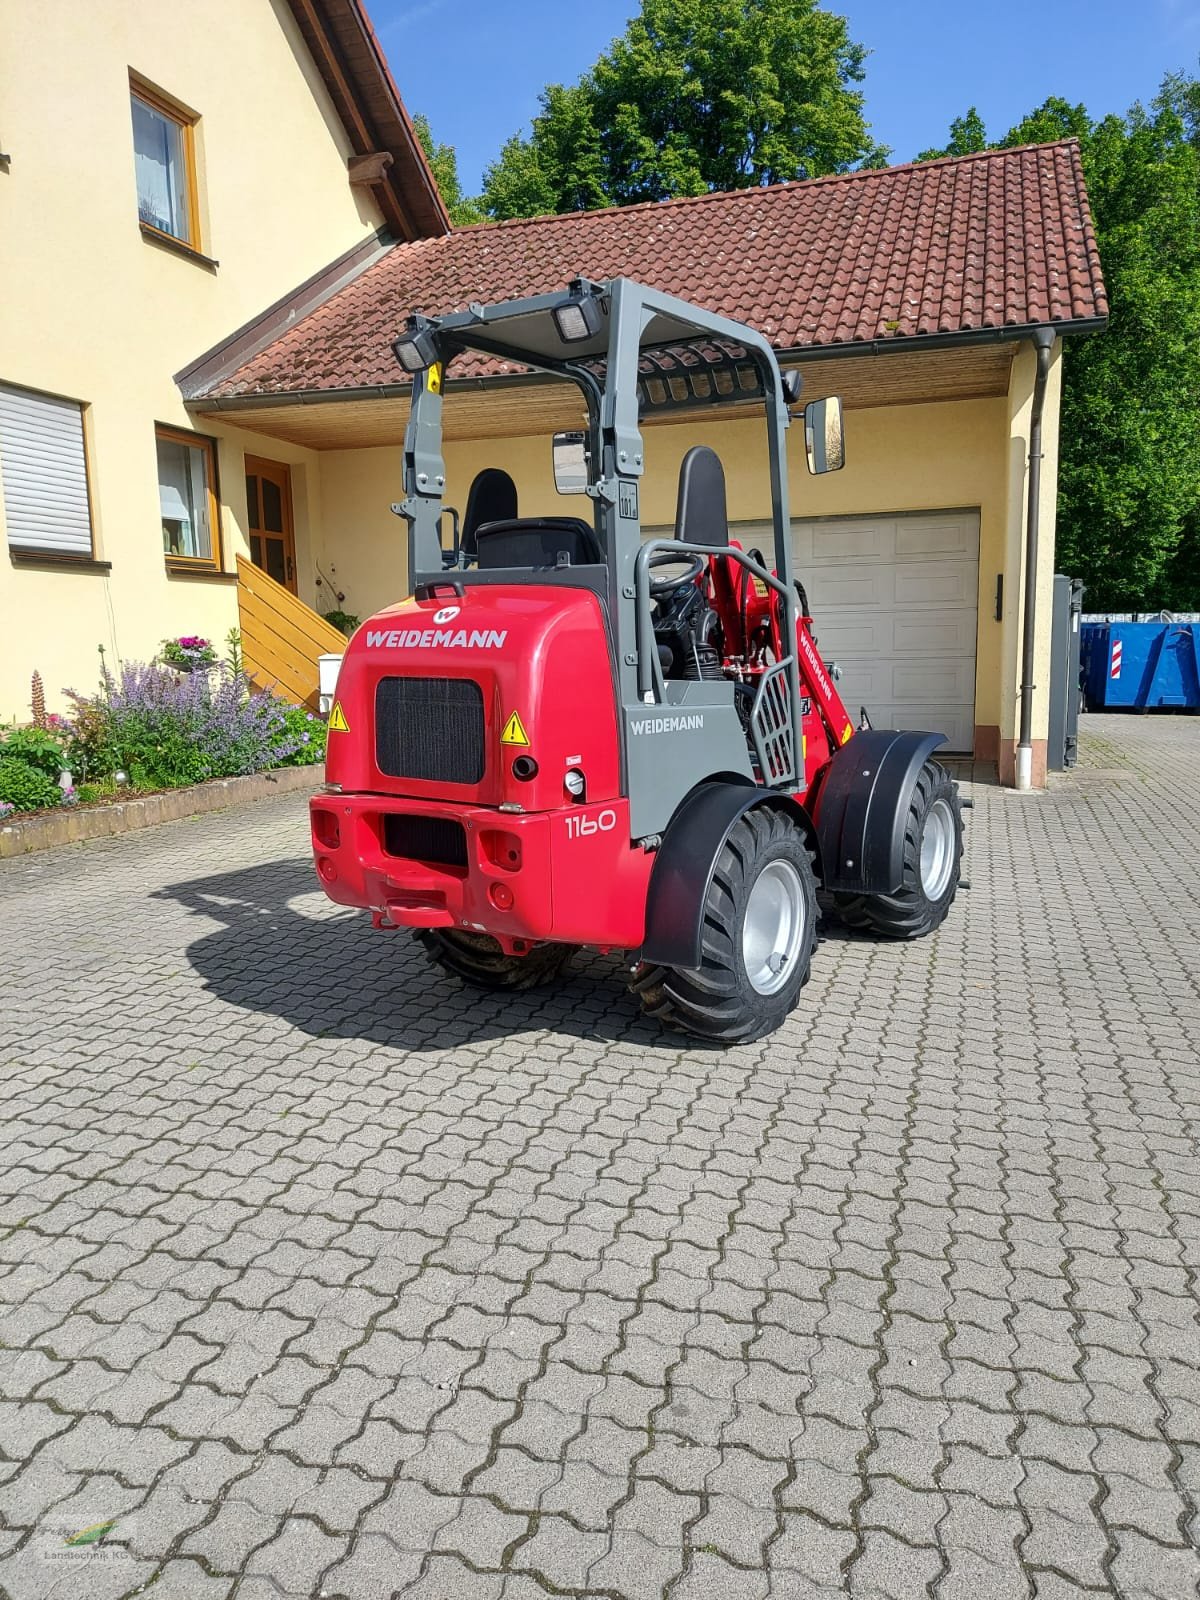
1062, 743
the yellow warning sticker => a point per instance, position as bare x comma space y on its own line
846, 732
514, 731
337, 719
433, 377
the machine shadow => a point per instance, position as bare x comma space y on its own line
335, 977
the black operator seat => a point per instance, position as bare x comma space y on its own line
538, 542
492, 497
700, 512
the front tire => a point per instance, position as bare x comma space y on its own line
477, 959
933, 846
758, 935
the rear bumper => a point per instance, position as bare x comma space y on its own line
521, 877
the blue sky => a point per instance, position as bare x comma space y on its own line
475, 67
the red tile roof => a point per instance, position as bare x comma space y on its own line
998, 240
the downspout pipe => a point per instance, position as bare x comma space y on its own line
1043, 344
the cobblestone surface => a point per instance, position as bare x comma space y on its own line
320, 1276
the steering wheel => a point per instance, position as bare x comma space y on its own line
693, 567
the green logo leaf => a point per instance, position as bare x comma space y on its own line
92, 1535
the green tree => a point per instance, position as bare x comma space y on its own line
695, 95
443, 163
967, 136
1129, 470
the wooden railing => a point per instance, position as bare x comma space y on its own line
281, 637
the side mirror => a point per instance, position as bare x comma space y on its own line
450, 554
824, 439
792, 383
570, 463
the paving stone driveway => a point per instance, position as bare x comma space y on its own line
319, 1276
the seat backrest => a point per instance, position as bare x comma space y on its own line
537, 542
492, 497
700, 513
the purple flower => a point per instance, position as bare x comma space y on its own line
167, 729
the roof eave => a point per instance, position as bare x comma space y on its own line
342, 43
1007, 333
793, 355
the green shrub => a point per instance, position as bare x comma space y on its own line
344, 621
93, 754
35, 747
305, 735
26, 787
159, 754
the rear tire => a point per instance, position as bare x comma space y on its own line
477, 959
757, 941
933, 846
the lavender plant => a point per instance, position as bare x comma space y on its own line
165, 730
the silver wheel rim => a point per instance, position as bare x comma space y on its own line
774, 927
937, 849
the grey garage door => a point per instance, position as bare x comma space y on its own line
895, 603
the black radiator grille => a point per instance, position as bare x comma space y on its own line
429, 728
440, 840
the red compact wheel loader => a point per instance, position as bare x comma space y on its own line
573, 735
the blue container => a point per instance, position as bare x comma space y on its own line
1136, 666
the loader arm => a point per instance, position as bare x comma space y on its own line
817, 683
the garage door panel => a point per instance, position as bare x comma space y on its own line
899, 704
852, 638
869, 540
945, 633
949, 634
935, 583
943, 535
863, 588
895, 602
932, 682
928, 585
907, 683
955, 723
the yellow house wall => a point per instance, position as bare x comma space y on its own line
900, 458
93, 311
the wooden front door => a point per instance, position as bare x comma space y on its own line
269, 501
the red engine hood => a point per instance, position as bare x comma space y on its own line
541, 659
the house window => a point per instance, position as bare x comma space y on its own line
164, 160
187, 498
43, 463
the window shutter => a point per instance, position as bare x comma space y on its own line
44, 470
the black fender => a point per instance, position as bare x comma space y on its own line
861, 806
687, 859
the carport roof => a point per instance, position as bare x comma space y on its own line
973, 246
